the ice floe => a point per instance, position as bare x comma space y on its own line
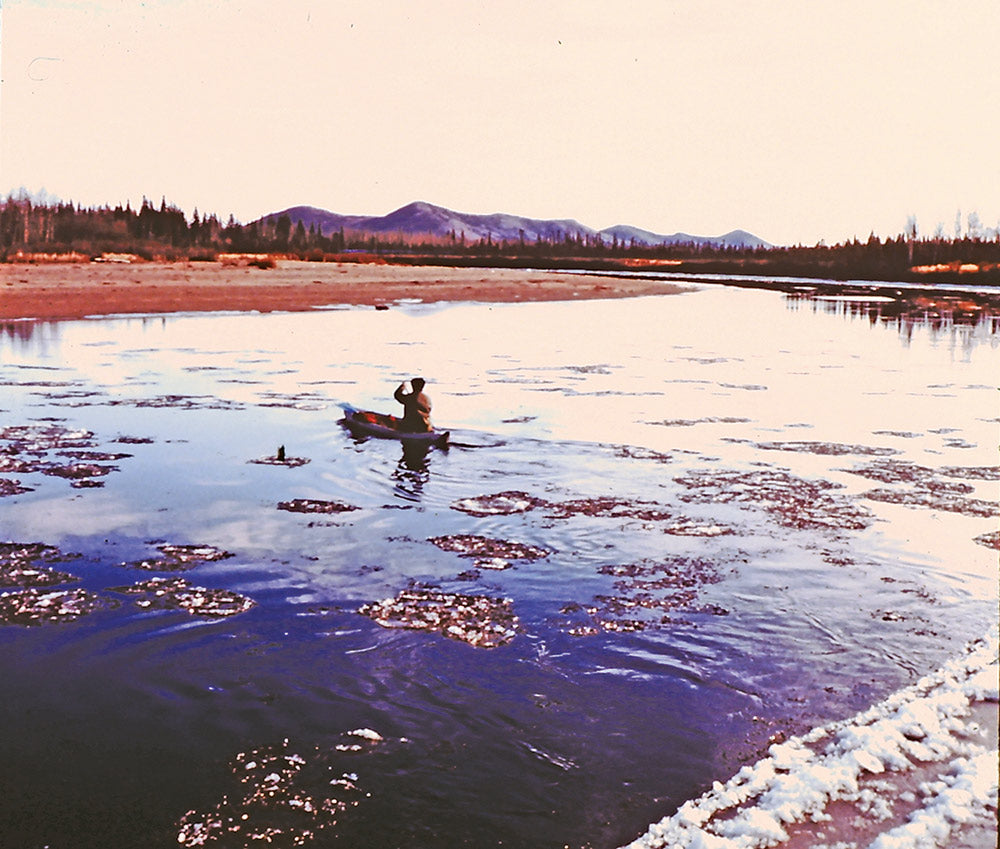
182, 402
936, 500
694, 528
793, 501
10, 486
280, 458
32, 602
990, 540
704, 420
478, 620
32, 606
19, 565
278, 798
925, 488
473, 545
633, 452
179, 558
177, 594
828, 448
499, 504
313, 505
647, 595
608, 507
508, 502
28, 445
45, 437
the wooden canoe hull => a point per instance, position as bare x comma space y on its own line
384, 426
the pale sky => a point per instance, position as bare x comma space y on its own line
793, 119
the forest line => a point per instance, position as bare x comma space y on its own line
35, 232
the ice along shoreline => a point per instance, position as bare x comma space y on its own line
914, 770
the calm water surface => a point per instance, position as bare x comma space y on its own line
116, 724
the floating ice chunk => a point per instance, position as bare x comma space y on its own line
313, 505
498, 563
499, 504
477, 620
367, 734
31, 606
692, 528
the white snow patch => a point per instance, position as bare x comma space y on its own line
957, 798
920, 725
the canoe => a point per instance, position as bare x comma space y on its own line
384, 426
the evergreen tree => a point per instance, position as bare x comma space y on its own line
282, 230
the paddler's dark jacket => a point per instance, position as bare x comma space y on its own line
416, 410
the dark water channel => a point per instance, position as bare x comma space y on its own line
727, 515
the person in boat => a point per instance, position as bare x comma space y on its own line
416, 407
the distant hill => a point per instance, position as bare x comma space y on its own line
421, 218
732, 239
325, 221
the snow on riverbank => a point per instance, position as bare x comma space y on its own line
916, 770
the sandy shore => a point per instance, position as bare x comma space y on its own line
75, 290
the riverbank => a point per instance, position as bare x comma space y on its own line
75, 290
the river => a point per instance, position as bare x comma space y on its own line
726, 515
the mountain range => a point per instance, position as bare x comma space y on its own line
421, 218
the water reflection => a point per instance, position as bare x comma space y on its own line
965, 319
31, 336
413, 470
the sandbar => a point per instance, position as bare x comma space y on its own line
52, 291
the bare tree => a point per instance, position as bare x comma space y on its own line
974, 227
911, 236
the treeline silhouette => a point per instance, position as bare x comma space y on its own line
28, 231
